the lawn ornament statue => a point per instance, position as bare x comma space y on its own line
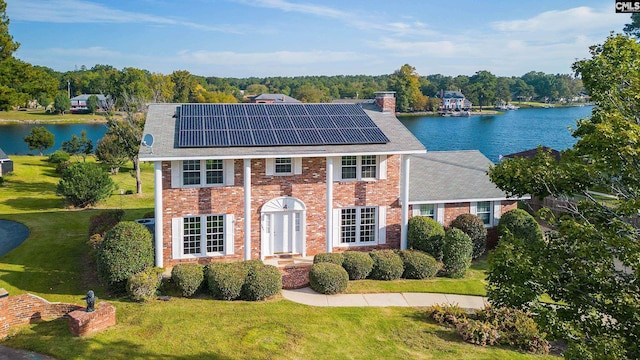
91, 301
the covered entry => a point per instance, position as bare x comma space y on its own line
282, 226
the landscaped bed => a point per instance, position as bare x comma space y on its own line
53, 263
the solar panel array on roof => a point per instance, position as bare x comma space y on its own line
220, 125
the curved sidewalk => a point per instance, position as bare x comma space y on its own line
307, 296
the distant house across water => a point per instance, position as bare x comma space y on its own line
79, 103
454, 101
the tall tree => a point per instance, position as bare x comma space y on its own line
591, 263
7, 45
39, 139
633, 28
80, 146
61, 103
110, 153
93, 104
405, 82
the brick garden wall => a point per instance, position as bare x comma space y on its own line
25, 309
309, 187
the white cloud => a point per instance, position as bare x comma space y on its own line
79, 11
575, 19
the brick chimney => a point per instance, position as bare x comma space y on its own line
386, 101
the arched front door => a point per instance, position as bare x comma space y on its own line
283, 221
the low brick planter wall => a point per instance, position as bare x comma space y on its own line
295, 276
25, 309
83, 323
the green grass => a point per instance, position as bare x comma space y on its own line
472, 284
52, 263
42, 116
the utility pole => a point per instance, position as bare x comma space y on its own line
69, 89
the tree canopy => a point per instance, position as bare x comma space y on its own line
39, 139
590, 264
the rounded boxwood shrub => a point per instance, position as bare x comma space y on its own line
144, 285
387, 265
188, 278
521, 225
473, 226
334, 258
456, 254
328, 278
426, 234
126, 250
261, 282
418, 265
58, 156
225, 280
357, 264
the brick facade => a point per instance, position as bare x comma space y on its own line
295, 276
83, 323
25, 309
309, 187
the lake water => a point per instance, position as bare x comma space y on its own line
496, 135
12, 135
493, 135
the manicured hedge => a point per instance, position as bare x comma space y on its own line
418, 265
144, 285
262, 281
457, 252
188, 278
426, 234
387, 265
125, 251
328, 278
473, 226
334, 258
225, 280
357, 264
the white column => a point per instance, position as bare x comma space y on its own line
157, 194
329, 210
404, 190
247, 209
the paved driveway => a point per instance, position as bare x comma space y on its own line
12, 234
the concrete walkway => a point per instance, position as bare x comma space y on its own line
7, 353
309, 297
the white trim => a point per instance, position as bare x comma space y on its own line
228, 235
382, 167
382, 225
359, 169
176, 174
270, 167
337, 213
337, 168
256, 155
157, 194
404, 190
453, 201
440, 213
336, 227
247, 209
329, 231
229, 172
497, 209
297, 166
176, 237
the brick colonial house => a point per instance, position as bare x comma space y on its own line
445, 184
252, 181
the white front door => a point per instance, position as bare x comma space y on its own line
287, 232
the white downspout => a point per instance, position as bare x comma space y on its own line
404, 190
329, 206
157, 194
247, 209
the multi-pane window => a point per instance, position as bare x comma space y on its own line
349, 167
348, 226
428, 210
203, 233
191, 236
368, 224
368, 166
191, 172
483, 210
202, 172
215, 233
215, 173
283, 166
359, 167
358, 225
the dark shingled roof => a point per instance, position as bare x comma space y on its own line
3, 155
529, 154
451, 176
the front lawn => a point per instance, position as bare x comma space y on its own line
52, 263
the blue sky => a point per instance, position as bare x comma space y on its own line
242, 38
